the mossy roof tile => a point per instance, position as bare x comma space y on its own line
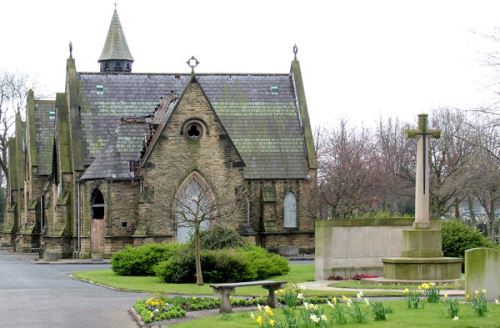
258, 111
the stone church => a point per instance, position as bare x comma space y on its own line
109, 160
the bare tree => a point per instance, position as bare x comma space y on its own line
197, 207
448, 154
345, 179
394, 164
13, 91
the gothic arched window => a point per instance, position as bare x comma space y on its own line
290, 208
97, 204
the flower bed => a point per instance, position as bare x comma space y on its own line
165, 308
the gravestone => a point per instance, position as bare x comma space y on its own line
482, 271
422, 255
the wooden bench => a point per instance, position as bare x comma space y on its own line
225, 291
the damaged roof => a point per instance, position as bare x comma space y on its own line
259, 112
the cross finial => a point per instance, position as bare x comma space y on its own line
70, 49
295, 50
192, 62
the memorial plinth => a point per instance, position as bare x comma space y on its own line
422, 255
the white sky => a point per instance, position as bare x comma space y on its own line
360, 59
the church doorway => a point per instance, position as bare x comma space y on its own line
97, 223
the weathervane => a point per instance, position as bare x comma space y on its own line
192, 62
295, 50
70, 49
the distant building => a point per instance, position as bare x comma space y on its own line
103, 164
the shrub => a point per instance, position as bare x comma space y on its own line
458, 237
217, 237
140, 261
266, 264
225, 265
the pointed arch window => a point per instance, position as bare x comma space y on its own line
194, 204
97, 204
290, 209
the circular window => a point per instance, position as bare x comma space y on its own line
193, 130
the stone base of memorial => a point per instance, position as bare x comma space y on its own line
422, 258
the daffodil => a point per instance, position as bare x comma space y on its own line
314, 318
268, 311
455, 318
259, 320
445, 296
252, 316
406, 291
272, 322
324, 318
497, 301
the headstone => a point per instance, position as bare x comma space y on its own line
482, 271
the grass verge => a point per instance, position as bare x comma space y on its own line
298, 273
432, 315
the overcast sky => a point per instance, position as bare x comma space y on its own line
359, 59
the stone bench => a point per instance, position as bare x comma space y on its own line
226, 289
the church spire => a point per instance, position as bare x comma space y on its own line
115, 56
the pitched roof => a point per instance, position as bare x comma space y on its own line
124, 146
259, 112
115, 46
45, 118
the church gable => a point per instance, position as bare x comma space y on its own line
192, 140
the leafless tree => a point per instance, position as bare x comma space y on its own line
13, 91
197, 206
344, 175
394, 164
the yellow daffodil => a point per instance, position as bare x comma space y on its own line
445, 296
272, 322
406, 291
259, 320
467, 296
268, 311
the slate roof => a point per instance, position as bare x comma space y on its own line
45, 114
114, 160
259, 112
116, 46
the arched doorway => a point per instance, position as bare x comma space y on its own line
194, 202
97, 223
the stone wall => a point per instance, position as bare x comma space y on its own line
482, 271
175, 157
345, 247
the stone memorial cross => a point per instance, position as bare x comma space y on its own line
422, 177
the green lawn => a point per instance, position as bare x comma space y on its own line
358, 284
298, 273
432, 315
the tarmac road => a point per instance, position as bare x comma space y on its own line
44, 296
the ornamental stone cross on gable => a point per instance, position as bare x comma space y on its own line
422, 134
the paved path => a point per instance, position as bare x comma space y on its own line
43, 296
324, 285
